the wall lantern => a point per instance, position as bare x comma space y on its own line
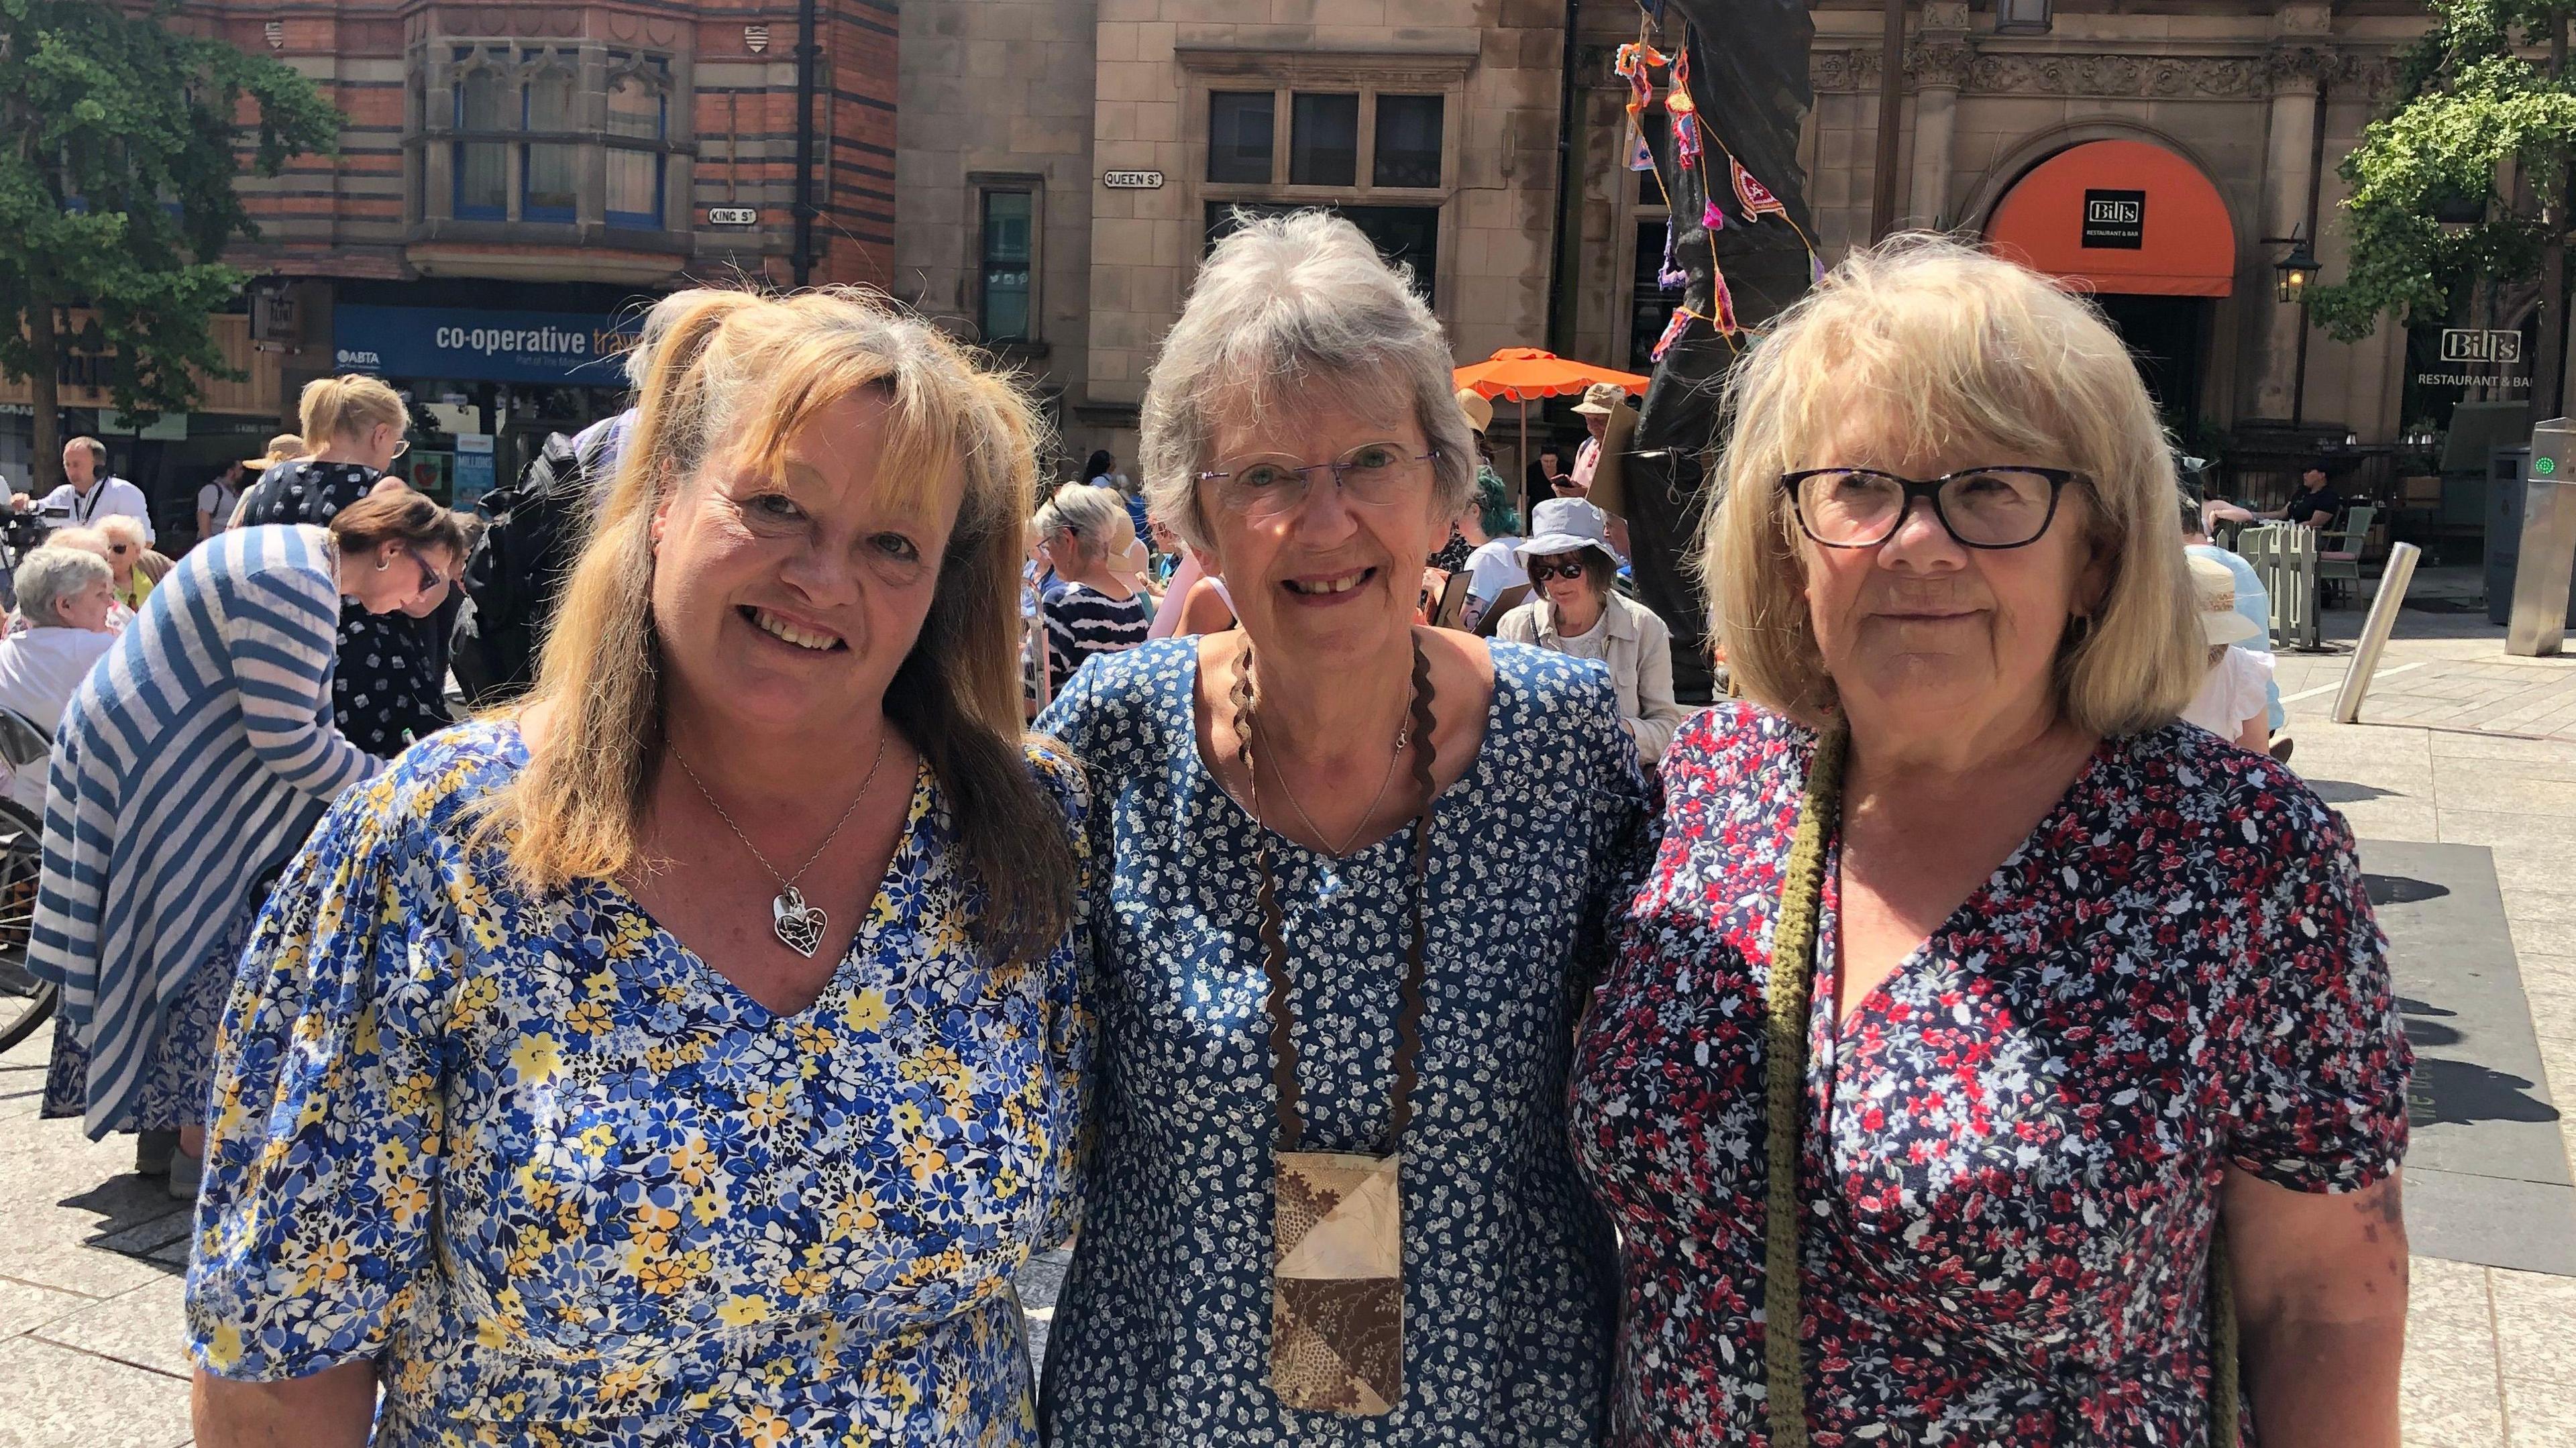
2298, 272
2021, 17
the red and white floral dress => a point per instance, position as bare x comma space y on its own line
2014, 1146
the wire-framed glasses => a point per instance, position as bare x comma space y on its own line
1371, 475
1987, 507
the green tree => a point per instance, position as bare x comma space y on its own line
2465, 181
119, 141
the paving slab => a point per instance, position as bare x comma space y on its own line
62, 1398
141, 1328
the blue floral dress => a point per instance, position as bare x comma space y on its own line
569, 1185
1161, 1335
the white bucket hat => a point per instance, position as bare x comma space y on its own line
2213, 585
1566, 525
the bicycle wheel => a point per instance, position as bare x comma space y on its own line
25, 1002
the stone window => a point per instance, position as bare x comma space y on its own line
543, 136
1008, 241
1366, 135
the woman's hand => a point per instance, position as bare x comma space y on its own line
2321, 1309
334, 1408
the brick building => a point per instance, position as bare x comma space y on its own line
514, 181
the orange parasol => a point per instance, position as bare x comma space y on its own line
1518, 374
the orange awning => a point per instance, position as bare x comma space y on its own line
2120, 216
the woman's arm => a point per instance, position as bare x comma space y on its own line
2255, 735
281, 649
1658, 714
334, 1408
2321, 1309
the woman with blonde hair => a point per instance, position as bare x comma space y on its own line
1094, 607
1973, 995
691, 1054
391, 685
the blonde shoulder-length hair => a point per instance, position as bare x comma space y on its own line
733, 376
1952, 347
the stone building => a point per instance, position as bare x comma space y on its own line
1062, 164
515, 181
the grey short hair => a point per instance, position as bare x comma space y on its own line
1087, 512
1287, 304
47, 576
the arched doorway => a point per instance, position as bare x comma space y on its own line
2145, 232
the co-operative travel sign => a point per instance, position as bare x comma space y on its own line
439, 342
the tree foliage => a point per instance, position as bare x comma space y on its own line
2476, 116
120, 139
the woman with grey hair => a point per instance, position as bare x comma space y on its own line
64, 594
1357, 878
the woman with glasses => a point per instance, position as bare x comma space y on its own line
127, 548
1357, 878
188, 764
391, 686
1973, 996
1577, 611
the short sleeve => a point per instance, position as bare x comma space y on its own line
326, 1123
1072, 1003
2253, 675
2320, 1105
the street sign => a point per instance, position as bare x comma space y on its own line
733, 216
2481, 344
2115, 219
1132, 180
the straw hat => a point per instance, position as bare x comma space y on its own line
1478, 407
2213, 585
284, 447
1601, 399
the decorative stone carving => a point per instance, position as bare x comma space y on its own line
1941, 62
1945, 15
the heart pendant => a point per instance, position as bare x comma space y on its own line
799, 925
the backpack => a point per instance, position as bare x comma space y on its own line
514, 577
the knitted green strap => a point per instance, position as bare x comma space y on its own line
1793, 967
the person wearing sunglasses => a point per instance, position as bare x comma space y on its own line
1354, 873
1973, 994
1577, 611
391, 685
188, 764
127, 552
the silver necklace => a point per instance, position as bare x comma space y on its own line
1403, 737
799, 926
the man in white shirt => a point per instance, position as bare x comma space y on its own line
90, 495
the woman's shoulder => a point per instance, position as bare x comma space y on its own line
1114, 699
1648, 624
1548, 690
1060, 775
435, 786
1735, 741
2229, 798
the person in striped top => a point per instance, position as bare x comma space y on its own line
190, 763
1095, 607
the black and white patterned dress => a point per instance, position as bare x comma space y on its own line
391, 684
1162, 1333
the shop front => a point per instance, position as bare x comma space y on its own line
486, 386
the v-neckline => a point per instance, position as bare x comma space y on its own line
1825, 990
873, 920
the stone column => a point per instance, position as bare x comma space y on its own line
2297, 74
1938, 61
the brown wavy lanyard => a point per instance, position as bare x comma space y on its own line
1274, 923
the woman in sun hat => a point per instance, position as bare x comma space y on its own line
2231, 703
1574, 610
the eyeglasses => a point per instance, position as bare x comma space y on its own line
120, 549
400, 448
1988, 507
1568, 570
1372, 475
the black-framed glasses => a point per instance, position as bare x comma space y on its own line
1987, 507
1371, 475
1570, 570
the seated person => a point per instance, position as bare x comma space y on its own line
64, 594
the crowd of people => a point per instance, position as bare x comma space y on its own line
1284, 872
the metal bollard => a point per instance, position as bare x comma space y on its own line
2375, 631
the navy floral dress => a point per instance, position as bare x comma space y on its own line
566, 1184
2015, 1144
1162, 1333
